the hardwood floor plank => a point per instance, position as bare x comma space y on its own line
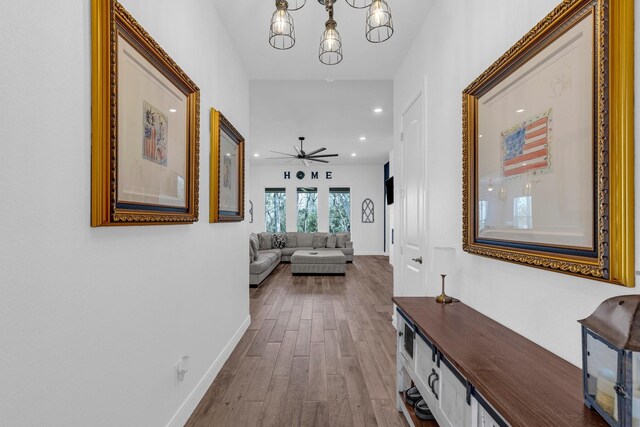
361, 409
386, 413
329, 316
332, 353
307, 308
296, 392
280, 327
304, 338
274, 402
294, 318
260, 341
317, 389
314, 414
345, 340
249, 414
262, 376
285, 356
317, 326
372, 376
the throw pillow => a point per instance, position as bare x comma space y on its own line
341, 240
319, 240
292, 241
279, 241
255, 245
265, 241
331, 241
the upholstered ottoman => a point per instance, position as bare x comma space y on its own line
318, 262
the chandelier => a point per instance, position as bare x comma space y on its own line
282, 35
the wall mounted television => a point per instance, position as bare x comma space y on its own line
388, 185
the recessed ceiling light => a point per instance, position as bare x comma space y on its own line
363, 138
480, 136
520, 110
172, 110
353, 154
228, 154
377, 110
256, 155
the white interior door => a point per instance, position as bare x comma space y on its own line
413, 210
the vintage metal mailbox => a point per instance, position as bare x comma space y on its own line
611, 360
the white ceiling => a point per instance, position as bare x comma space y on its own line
329, 114
290, 94
247, 22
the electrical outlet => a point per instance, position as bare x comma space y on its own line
182, 367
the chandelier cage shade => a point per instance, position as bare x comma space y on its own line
379, 22
295, 4
330, 45
359, 4
282, 34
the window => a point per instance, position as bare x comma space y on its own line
483, 214
275, 210
522, 217
339, 210
307, 210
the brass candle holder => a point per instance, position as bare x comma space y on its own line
443, 262
443, 298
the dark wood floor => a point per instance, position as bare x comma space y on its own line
320, 351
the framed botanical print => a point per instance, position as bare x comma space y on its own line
548, 146
227, 171
145, 127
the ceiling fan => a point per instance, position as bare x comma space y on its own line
313, 156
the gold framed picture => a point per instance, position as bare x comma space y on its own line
548, 146
227, 171
145, 127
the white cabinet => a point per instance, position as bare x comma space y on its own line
446, 392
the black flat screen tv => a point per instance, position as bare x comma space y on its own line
388, 185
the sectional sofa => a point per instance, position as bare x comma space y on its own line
267, 250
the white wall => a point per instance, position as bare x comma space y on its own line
92, 320
459, 40
364, 181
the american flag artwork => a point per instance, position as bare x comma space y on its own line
526, 147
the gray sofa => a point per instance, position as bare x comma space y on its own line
267, 250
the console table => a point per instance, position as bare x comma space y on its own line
472, 371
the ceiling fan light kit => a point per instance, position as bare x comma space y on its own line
379, 26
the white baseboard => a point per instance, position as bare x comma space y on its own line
369, 253
190, 404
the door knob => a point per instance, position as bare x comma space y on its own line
418, 260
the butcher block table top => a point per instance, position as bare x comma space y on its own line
526, 384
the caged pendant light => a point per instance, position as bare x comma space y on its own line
282, 34
379, 26
330, 42
379, 22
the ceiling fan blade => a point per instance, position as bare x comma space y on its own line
318, 160
274, 158
300, 153
325, 155
305, 162
316, 151
286, 154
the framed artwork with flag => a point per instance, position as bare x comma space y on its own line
548, 147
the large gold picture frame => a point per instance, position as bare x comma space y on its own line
226, 198
577, 153
145, 127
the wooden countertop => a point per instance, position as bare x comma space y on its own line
526, 384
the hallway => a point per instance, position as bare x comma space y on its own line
320, 352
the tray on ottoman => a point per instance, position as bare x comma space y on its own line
318, 262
